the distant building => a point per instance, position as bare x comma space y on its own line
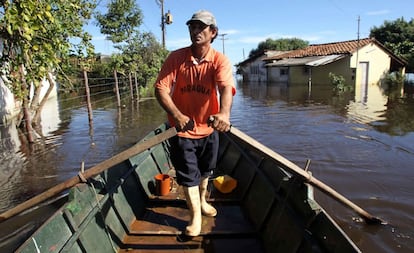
10, 108
361, 62
253, 69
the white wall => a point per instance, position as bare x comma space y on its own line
10, 108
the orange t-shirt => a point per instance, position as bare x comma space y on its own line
194, 86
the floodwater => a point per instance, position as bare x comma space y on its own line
363, 148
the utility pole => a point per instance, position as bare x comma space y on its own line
357, 52
223, 39
162, 23
166, 18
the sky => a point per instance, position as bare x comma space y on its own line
244, 24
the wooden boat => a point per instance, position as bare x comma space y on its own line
270, 210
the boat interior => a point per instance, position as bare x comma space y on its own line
119, 211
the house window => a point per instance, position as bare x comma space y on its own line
283, 72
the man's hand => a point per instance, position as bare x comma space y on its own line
184, 123
219, 122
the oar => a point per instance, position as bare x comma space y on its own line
93, 171
370, 219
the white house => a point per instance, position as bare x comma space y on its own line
362, 63
253, 69
10, 108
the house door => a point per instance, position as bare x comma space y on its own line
363, 66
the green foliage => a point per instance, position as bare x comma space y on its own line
101, 69
279, 44
41, 36
139, 52
392, 84
147, 56
147, 91
398, 36
121, 20
69, 74
36, 38
394, 79
339, 83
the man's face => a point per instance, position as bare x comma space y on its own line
200, 33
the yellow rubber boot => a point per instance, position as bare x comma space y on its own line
206, 208
192, 196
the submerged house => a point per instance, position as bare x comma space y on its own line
253, 69
10, 108
361, 62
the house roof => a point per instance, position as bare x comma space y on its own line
294, 61
325, 60
343, 47
308, 61
263, 54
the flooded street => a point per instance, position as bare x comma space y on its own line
364, 150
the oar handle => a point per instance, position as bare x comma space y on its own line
93, 171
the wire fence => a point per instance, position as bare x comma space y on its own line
94, 92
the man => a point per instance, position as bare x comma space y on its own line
187, 88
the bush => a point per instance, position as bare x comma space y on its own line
339, 84
394, 79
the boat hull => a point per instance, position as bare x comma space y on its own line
270, 210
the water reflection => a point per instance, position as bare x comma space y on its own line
11, 164
394, 116
386, 110
16, 169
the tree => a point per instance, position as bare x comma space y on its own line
139, 52
279, 44
36, 36
121, 20
145, 56
398, 36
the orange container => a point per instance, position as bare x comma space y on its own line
162, 184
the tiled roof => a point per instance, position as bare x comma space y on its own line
343, 47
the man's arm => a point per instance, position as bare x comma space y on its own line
222, 119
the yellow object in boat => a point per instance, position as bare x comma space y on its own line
225, 184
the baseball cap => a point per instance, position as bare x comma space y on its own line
204, 16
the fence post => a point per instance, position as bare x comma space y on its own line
131, 89
88, 99
136, 85
118, 97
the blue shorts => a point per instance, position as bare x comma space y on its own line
194, 159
